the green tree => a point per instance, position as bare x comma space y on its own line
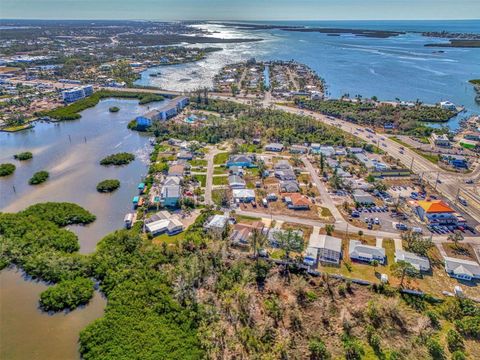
456, 237
374, 263
318, 350
454, 341
402, 269
329, 229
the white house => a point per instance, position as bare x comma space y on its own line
236, 182
421, 263
329, 248
368, 253
216, 223
243, 195
462, 269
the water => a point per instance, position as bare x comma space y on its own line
398, 67
27, 333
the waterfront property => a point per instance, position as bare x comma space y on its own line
462, 269
77, 93
167, 111
367, 253
170, 226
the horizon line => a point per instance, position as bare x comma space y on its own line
231, 20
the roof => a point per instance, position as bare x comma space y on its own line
289, 186
415, 260
325, 242
363, 197
172, 180
298, 199
460, 266
357, 249
176, 169
171, 191
158, 225
243, 193
282, 165
274, 146
217, 222
435, 206
235, 179
240, 159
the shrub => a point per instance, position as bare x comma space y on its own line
459, 355
469, 326
39, 177
27, 155
60, 213
7, 169
434, 318
114, 109
454, 341
435, 349
118, 159
68, 294
108, 185
318, 350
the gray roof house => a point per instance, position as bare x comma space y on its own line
276, 147
368, 253
421, 263
216, 223
283, 165
289, 186
462, 269
236, 182
287, 174
362, 197
329, 248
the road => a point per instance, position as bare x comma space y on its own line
209, 181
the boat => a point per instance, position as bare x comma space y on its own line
153, 74
135, 200
128, 220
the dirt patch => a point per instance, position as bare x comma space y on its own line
462, 251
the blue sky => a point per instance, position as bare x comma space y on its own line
240, 9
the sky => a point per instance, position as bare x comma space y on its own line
241, 9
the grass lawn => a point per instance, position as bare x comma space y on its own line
249, 148
165, 238
253, 172
217, 196
220, 170
221, 158
247, 219
325, 212
389, 246
198, 162
220, 180
202, 179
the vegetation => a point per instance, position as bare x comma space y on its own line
68, 294
27, 155
108, 185
61, 214
71, 111
248, 122
114, 109
39, 177
375, 115
7, 169
118, 159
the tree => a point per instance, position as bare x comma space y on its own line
329, 228
322, 163
401, 269
296, 161
416, 243
456, 237
259, 239
318, 350
375, 263
289, 241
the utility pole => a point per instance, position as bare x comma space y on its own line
436, 181
411, 164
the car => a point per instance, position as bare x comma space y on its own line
367, 219
417, 230
401, 152
355, 214
376, 221
401, 226
370, 226
469, 181
384, 145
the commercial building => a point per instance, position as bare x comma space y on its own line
440, 140
436, 212
169, 110
77, 93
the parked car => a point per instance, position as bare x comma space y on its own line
401, 226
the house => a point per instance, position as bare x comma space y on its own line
236, 182
420, 263
243, 195
241, 233
457, 161
298, 149
356, 150
472, 135
447, 105
185, 155
362, 197
217, 223
296, 201
170, 226
244, 161
368, 253
436, 212
142, 121
440, 140
462, 269
340, 151
176, 170
236, 170
327, 151
170, 195
275, 147
283, 165
388, 126
273, 234
329, 248
289, 186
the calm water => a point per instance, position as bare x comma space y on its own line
61, 149
398, 67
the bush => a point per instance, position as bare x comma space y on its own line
62, 214
434, 318
68, 294
114, 109
459, 355
108, 185
318, 350
118, 159
27, 155
454, 341
435, 349
469, 326
39, 177
7, 169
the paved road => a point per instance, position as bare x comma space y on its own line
209, 181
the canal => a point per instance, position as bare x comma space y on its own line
70, 151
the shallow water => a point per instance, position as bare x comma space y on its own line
70, 151
397, 67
